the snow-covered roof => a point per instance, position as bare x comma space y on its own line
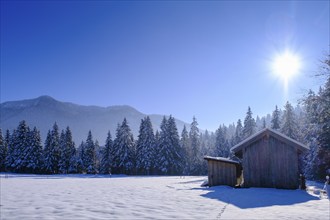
222, 159
270, 132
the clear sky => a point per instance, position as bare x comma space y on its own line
208, 59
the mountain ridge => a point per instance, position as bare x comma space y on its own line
44, 111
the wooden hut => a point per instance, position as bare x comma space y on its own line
222, 171
270, 159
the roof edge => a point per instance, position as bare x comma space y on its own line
222, 159
253, 138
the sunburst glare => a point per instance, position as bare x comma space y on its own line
286, 66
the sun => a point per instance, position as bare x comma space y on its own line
286, 65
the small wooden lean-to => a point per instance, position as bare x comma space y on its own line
222, 171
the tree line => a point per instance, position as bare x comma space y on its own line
165, 152
152, 153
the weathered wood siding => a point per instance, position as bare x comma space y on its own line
221, 173
269, 162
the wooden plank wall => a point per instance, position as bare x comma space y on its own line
221, 173
269, 162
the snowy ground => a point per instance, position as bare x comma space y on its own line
121, 197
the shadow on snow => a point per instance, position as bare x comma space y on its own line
245, 198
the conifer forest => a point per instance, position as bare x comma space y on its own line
167, 151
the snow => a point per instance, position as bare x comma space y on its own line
136, 197
223, 159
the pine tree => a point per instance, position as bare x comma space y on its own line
324, 123
264, 125
11, 143
310, 131
20, 144
67, 152
123, 149
98, 155
184, 142
3, 152
238, 132
48, 154
176, 167
33, 157
156, 167
194, 152
276, 121
221, 144
208, 143
107, 156
163, 148
258, 123
205, 140
317, 128
62, 151
145, 147
7, 142
81, 158
52, 150
170, 154
56, 146
73, 168
249, 124
90, 154
289, 126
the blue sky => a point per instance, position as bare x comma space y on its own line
189, 58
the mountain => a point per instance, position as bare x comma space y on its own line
42, 112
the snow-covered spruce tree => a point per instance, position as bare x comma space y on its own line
123, 149
48, 154
90, 154
206, 149
317, 130
238, 132
10, 158
62, 151
7, 139
52, 150
184, 142
80, 155
20, 141
324, 123
310, 131
164, 149
155, 168
289, 125
221, 143
177, 166
249, 124
56, 146
264, 124
107, 155
3, 152
98, 155
276, 119
195, 158
73, 168
170, 158
324, 140
207, 141
145, 147
258, 123
67, 152
33, 155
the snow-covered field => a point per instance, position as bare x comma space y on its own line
122, 197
